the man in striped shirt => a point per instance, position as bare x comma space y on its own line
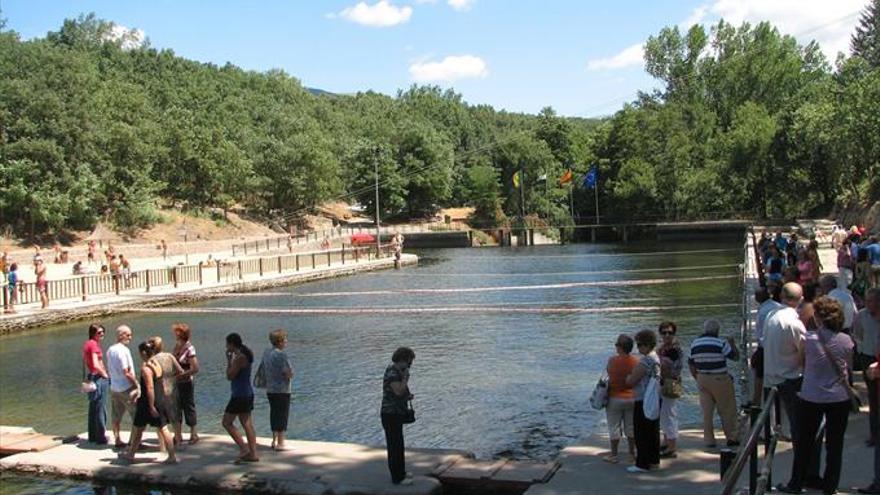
708, 365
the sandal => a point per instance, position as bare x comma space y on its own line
248, 459
611, 458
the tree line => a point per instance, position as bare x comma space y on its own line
749, 120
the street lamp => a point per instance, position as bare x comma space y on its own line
183, 233
378, 229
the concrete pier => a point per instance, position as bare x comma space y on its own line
308, 468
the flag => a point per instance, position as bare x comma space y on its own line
516, 179
542, 178
566, 178
591, 178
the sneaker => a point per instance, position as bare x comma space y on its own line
636, 469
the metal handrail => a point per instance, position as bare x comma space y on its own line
751, 446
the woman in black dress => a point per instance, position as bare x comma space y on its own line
151, 407
395, 395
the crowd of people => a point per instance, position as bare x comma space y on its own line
162, 395
814, 332
652, 436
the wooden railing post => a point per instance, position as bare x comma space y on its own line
147, 274
116, 284
239, 270
356, 255
85, 288
313, 261
260, 260
343, 253
328, 258
199, 268
218, 272
174, 276
279, 264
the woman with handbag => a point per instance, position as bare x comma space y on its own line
621, 398
671, 365
647, 431
825, 393
396, 411
239, 361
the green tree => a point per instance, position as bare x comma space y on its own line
865, 41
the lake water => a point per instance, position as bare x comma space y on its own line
509, 343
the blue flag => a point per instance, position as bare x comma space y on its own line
591, 178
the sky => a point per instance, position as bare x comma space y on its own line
581, 57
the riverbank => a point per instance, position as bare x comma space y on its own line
96, 306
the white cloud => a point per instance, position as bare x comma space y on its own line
382, 14
633, 55
461, 5
696, 17
449, 69
128, 39
829, 22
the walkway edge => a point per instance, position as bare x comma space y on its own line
59, 316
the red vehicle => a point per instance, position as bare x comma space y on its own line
362, 239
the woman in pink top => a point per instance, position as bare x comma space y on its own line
621, 397
805, 268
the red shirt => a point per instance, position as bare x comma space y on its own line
92, 347
619, 367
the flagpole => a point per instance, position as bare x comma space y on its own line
596, 195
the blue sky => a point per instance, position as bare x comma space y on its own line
581, 57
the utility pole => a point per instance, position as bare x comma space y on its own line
378, 229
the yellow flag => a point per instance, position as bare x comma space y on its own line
516, 179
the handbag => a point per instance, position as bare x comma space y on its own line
409, 416
855, 402
599, 397
651, 401
671, 388
87, 386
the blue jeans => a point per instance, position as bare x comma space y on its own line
98, 409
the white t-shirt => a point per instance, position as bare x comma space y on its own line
784, 335
847, 302
865, 331
764, 311
118, 359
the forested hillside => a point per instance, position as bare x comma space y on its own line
748, 120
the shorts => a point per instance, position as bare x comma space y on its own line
142, 416
619, 413
240, 405
757, 362
120, 403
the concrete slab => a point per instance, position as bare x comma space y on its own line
307, 468
694, 472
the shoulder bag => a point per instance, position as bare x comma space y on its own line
599, 397
855, 402
671, 388
87, 386
410, 415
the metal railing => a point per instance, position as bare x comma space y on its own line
760, 422
83, 286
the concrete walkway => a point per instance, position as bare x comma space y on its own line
308, 468
694, 472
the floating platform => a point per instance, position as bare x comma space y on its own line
16, 440
496, 476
